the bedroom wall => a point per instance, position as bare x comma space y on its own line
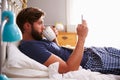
55, 10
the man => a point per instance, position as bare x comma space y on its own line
31, 23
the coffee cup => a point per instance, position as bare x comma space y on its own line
49, 34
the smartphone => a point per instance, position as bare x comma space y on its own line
81, 18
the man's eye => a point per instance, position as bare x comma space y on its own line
41, 22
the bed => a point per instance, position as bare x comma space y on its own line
17, 66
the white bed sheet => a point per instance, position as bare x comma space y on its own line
80, 74
37, 79
19, 66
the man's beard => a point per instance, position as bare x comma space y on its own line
36, 35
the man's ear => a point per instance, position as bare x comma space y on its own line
27, 26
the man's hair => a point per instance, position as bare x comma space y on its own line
29, 15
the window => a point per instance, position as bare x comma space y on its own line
103, 18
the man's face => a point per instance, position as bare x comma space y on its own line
37, 29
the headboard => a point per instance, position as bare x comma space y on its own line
11, 5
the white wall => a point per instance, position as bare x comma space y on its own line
103, 20
55, 10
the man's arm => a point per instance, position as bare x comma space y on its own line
75, 58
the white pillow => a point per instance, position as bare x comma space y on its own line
20, 65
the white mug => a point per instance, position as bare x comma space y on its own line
49, 34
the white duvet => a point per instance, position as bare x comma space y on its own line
80, 74
19, 65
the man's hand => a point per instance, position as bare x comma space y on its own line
55, 30
82, 30
56, 33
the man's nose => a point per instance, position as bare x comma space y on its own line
43, 26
